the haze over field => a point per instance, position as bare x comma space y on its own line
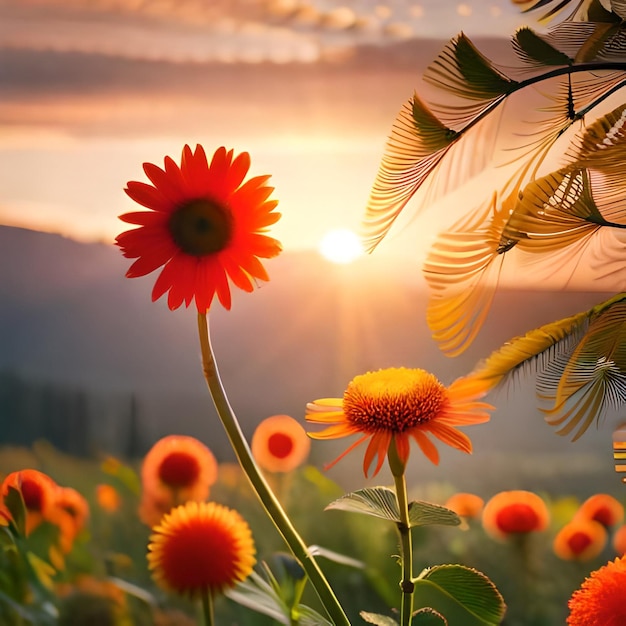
69, 317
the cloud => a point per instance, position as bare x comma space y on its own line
238, 31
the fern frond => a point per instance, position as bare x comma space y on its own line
583, 10
465, 72
594, 377
603, 144
462, 270
417, 144
536, 51
554, 212
523, 350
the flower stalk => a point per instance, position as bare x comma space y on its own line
207, 607
407, 586
269, 501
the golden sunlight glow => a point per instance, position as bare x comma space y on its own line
341, 246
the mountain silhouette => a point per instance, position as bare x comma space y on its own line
69, 317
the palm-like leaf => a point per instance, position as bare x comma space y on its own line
462, 270
585, 10
581, 361
555, 214
593, 378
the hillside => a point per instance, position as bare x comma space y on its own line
69, 317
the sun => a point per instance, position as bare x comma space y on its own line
341, 245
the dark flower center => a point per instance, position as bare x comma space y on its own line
579, 542
179, 469
517, 518
394, 399
201, 227
280, 445
33, 495
604, 515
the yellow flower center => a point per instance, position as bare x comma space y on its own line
201, 227
393, 399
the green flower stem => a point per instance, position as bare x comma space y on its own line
407, 585
207, 607
269, 501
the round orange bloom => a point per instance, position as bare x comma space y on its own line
465, 504
600, 599
619, 540
205, 226
108, 498
580, 540
200, 547
517, 512
181, 466
602, 508
280, 444
73, 512
400, 404
39, 492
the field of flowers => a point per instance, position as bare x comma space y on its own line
537, 553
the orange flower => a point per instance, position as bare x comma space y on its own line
466, 505
205, 226
580, 540
201, 547
400, 404
280, 444
511, 513
600, 599
178, 468
619, 540
39, 492
73, 514
108, 498
181, 466
602, 508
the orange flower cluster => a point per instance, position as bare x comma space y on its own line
280, 444
45, 501
510, 514
586, 535
177, 469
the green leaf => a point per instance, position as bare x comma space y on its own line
308, 617
378, 502
257, 594
15, 504
379, 620
464, 596
428, 617
427, 514
381, 502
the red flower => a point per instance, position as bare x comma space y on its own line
580, 540
511, 513
602, 508
200, 547
177, 468
205, 227
280, 444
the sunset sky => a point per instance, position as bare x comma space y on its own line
93, 88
